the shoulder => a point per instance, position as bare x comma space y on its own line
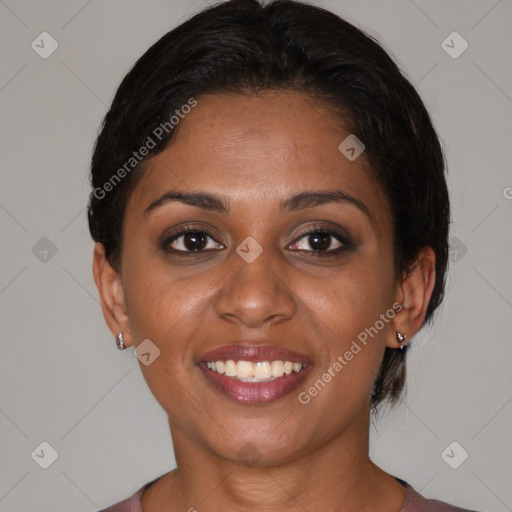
414, 502
131, 504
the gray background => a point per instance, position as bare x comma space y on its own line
62, 379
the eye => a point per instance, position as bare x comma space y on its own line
191, 240
321, 240
318, 240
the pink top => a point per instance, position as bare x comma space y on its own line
414, 502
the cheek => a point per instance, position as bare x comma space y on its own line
349, 299
158, 297
345, 308
169, 313
163, 308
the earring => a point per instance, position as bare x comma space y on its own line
120, 341
402, 339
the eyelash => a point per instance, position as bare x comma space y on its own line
341, 238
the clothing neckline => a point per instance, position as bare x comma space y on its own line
137, 497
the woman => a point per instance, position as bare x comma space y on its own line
271, 218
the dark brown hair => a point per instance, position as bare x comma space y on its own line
244, 47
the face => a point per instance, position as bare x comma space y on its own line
268, 269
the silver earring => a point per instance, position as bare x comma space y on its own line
120, 341
402, 339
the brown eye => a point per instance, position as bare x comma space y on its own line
191, 241
319, 241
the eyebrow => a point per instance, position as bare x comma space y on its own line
300, 201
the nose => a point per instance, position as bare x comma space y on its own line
255, 294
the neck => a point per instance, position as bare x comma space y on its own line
337, 475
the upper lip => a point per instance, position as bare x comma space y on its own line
253, 352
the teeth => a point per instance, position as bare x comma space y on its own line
244, 369
254, 372
229, 368
297, 367
262, 370
220, 367
277, 368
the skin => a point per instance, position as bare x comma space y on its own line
256, 151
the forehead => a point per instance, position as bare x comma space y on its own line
259, 149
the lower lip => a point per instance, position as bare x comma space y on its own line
255, 392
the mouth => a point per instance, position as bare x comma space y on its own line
254, 374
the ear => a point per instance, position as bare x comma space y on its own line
110, 288
413, 292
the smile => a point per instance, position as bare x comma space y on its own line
261, 371
254, 374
